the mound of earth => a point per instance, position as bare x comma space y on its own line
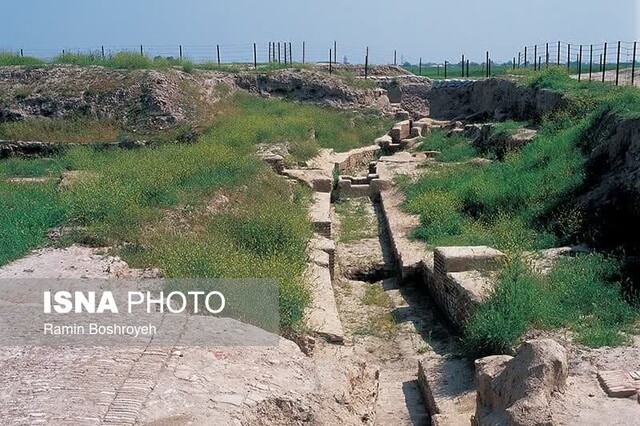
308, 86
147, 99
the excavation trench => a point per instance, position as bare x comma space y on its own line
390, 324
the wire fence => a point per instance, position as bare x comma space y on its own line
614, 62
284, 52
606, 62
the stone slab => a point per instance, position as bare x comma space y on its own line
409, 254
316, 179
460, 259
322, 316
475, 284
401, 130
320, 213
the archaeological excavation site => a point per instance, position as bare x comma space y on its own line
446, 251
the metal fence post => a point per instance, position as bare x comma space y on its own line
366, 64
547, 55
569, 57
395, 61
285, 53
590, 61
559, 49
180, 52
618, 65
335, 52
290, 53
604, 61
535, 57
462, 66
304, 52
420, 69
255, 57
580, 65
330, 58
367, 61
218, 52
525, 56
600, 65
445, 69
633, 63
141, 51
488, 65
467, 68
519, 55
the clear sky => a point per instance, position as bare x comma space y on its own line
433, 30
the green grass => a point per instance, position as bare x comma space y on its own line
135, 60
59, 130
27, 210
375, 295
508, 127
582, 295
516, 204
306, 128
356, 222
383, 326
455, 70
152, 203
453, 148
121, 60
10, 58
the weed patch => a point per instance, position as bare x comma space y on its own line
581, 294
453, 148
356, 222
375, 295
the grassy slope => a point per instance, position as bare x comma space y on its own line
126, 197
524, 203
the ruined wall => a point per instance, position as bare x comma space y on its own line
410, 92
491, 99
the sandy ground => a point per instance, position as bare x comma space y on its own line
171, 385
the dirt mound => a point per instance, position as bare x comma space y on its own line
316, 87
517, 391
372, 70
146, 99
